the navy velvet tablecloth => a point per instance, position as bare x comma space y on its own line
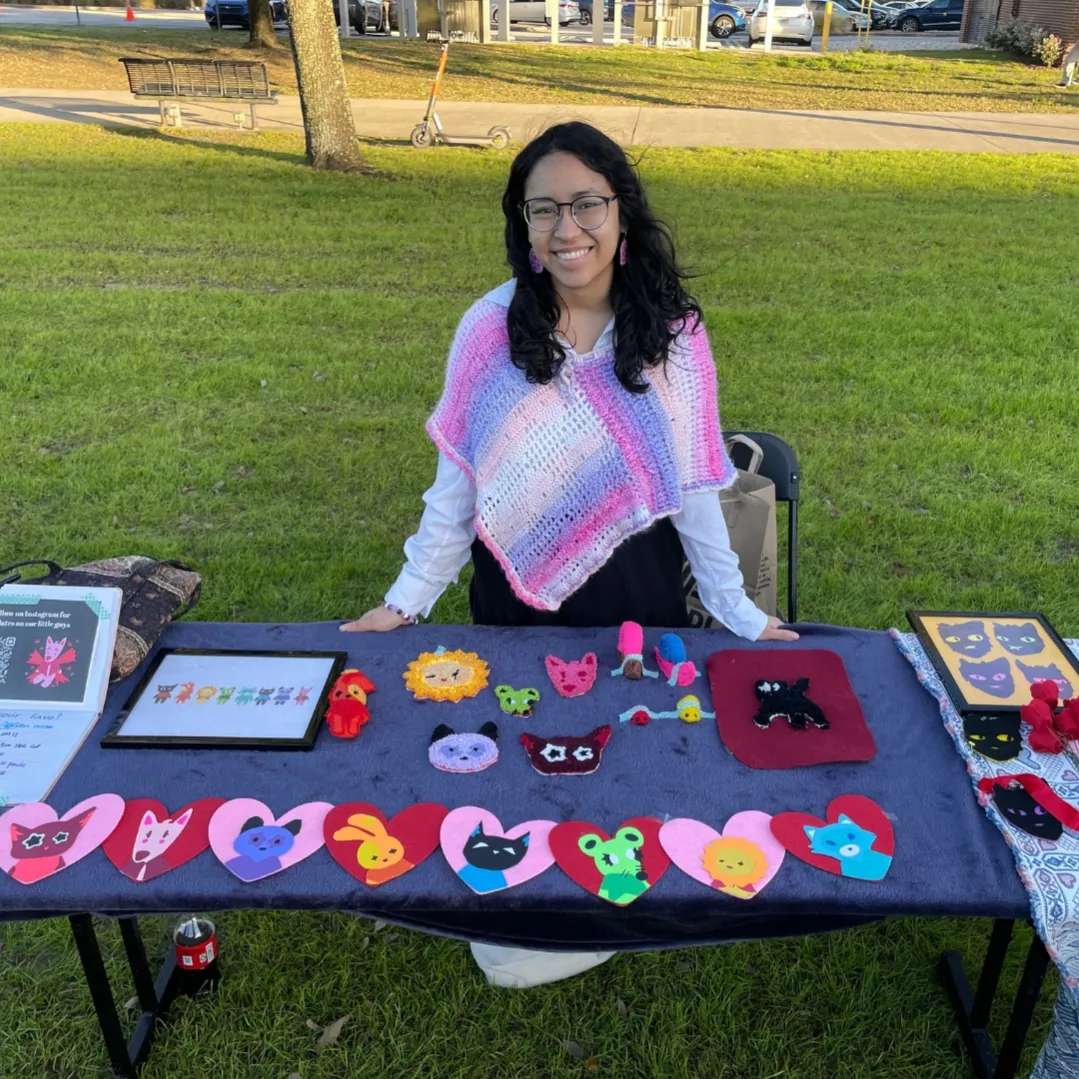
949, 859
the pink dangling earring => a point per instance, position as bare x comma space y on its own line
623, 253
533, 262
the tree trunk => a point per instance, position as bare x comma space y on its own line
262, 32
320, 76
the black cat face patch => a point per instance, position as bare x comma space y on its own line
993, 736
1020, 809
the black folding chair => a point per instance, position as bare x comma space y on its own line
780, 465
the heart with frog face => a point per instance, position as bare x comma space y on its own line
619, 868
740, 861
35, 842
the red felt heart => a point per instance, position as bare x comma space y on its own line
789, 829
150, 841
619, 888
374, 849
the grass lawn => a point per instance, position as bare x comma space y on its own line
973, 81
212, 353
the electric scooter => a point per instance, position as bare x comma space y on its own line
429, 131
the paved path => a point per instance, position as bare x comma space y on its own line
969, 132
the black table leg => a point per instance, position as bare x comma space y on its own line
154, 998
972, 1009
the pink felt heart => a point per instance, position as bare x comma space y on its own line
488, 857
251, 843
741, 860
35, 843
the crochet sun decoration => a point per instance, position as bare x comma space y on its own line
446, 676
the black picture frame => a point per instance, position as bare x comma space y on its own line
959, 697
116, 739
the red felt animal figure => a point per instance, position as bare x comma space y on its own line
1050, 725
348, 712
40, 850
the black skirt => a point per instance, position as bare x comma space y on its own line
640, 582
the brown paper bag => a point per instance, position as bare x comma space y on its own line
749, 508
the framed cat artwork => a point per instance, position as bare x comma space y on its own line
988, 660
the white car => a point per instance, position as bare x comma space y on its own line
791, 20
536, 11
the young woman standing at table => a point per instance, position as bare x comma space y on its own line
578, 433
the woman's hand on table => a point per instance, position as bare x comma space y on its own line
774, 631
377, 620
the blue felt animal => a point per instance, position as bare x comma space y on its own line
261, 847
851, 845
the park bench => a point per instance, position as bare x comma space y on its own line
173, 81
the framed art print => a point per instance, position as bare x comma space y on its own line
195, 697
988, 661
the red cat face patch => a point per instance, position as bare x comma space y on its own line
572, 677
565, 755
150, 841
374, 849
619, 868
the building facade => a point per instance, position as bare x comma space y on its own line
1060, 17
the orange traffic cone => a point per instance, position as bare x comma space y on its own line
129, 14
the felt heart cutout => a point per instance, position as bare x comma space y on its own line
150, 841
488, 857
855, 829
251, 843
374, 849
632, 860
741, 860
35, 843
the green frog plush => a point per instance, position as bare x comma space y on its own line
619, 860
516, 702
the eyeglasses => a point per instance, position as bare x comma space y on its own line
588, 211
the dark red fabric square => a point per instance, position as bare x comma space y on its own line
732, 675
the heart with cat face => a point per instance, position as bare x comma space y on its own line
740, 860
572, 677
374, 849
854, 840
251, 843
35, 843
488, 857
150, 841
618, 868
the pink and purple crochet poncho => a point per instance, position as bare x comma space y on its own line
566, 471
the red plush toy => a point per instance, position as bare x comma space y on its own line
348, 712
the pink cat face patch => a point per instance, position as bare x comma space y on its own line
251, 843
739, 861
35, 843
488, 857
572, 677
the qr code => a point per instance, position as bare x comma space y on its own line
7, 648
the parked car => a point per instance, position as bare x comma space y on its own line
723, 19
373, 15
842, 20
875, 14
792, 20
222, 13
936, 15
535, 11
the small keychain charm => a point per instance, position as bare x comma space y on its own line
673, 661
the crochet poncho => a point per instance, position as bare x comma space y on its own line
566, 471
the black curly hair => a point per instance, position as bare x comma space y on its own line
651, 306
